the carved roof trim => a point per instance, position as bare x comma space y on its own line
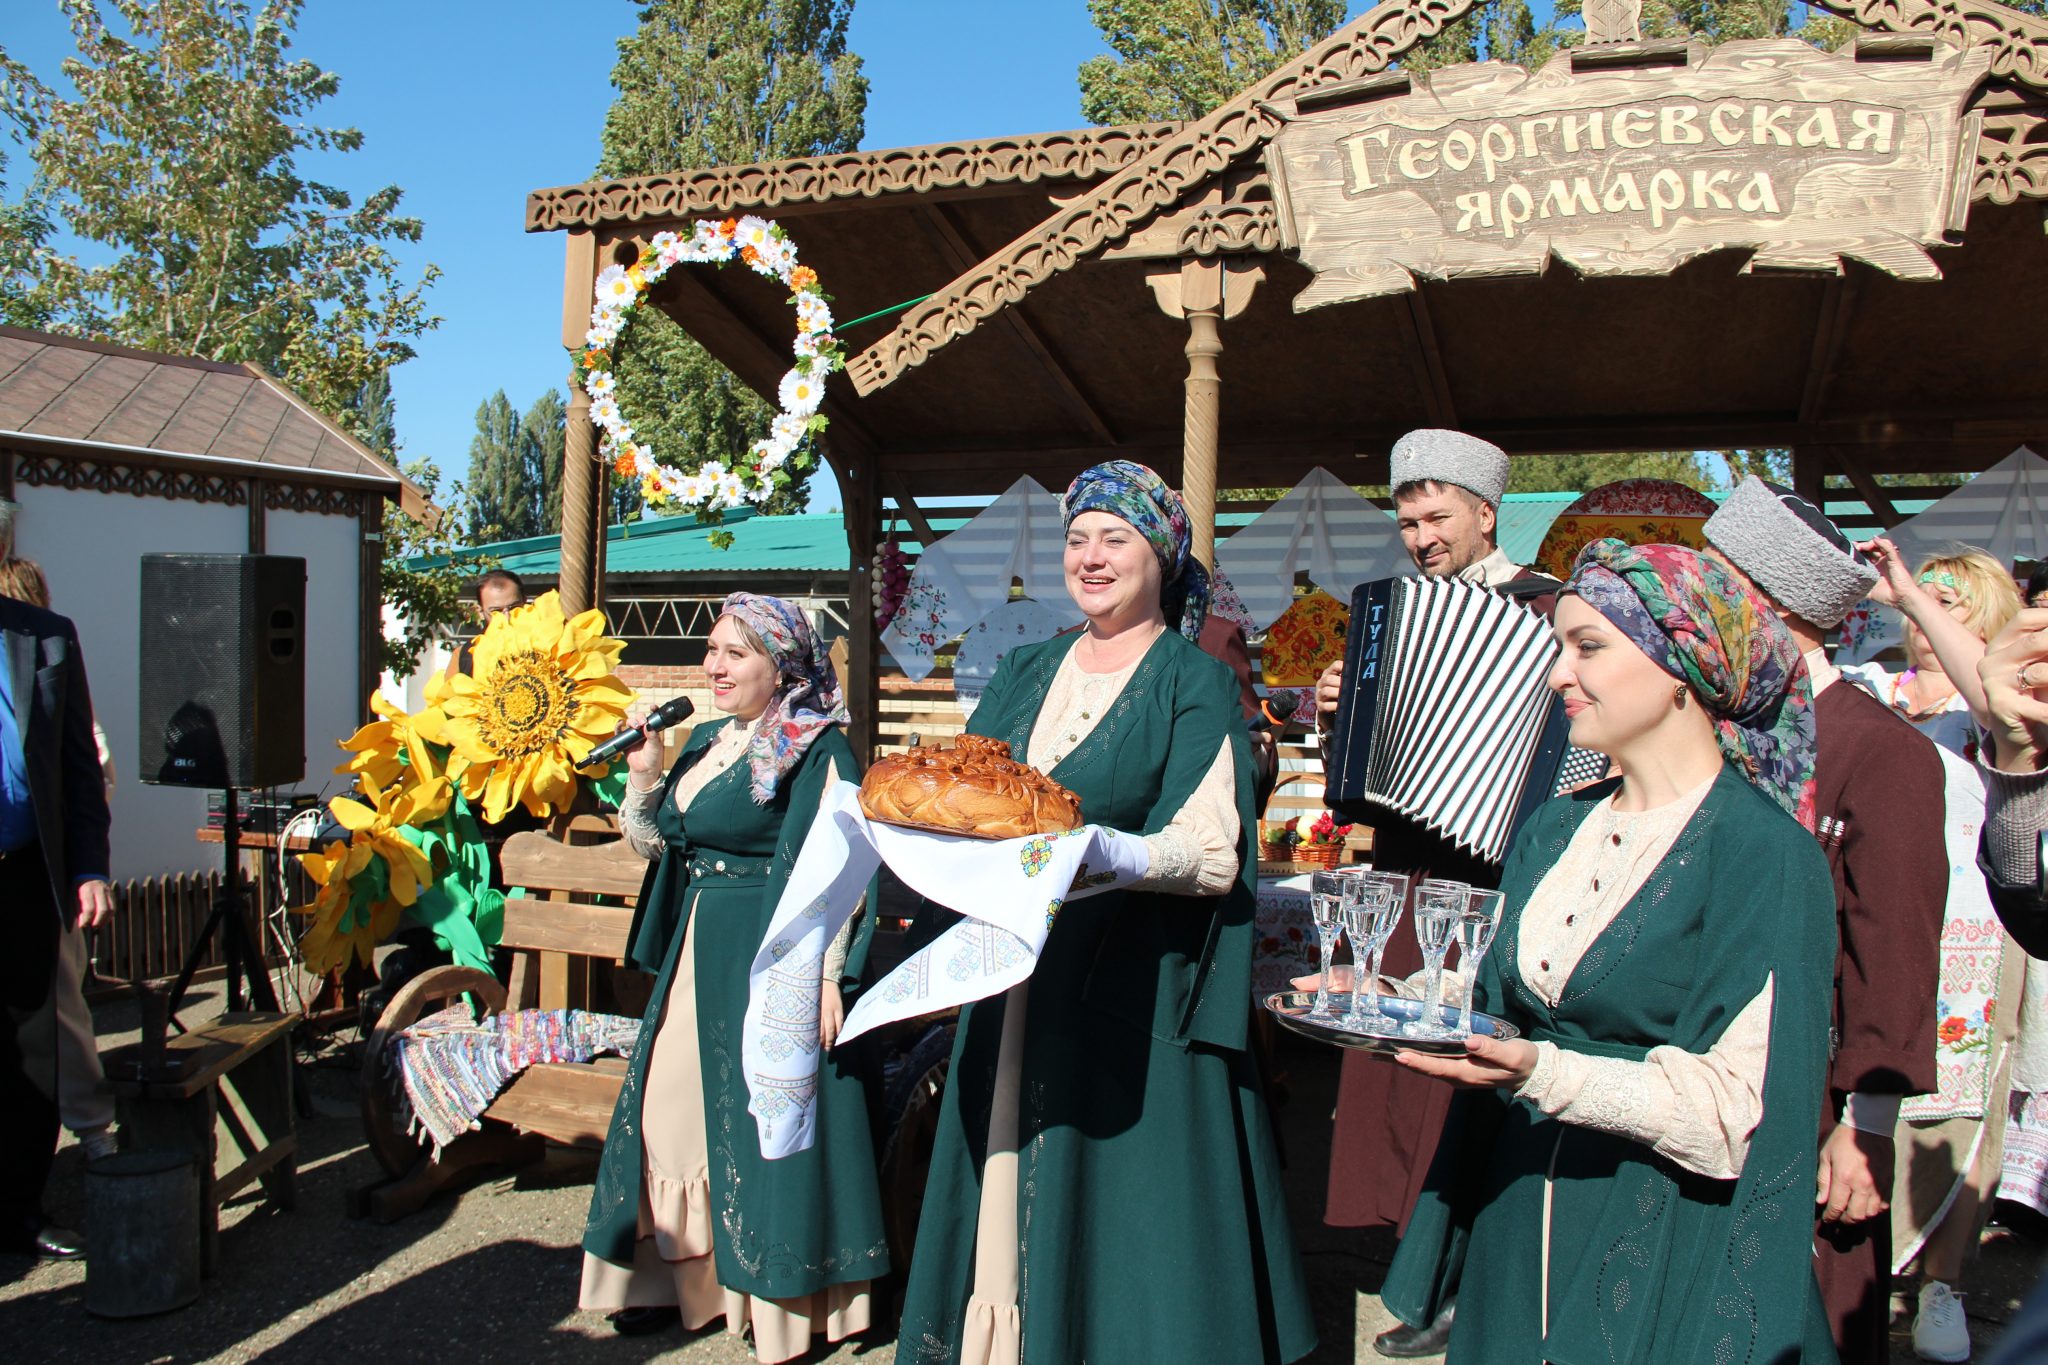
1133, 195
1077, 154
1086, 224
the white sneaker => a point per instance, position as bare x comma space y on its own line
1939, 1332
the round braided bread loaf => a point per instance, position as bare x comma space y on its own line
975, 788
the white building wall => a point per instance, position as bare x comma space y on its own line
90, 546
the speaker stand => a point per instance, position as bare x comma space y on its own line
229, 917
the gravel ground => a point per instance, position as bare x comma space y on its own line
490, 1274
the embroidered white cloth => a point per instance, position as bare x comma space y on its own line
1010, 890
1022, 622
1322, 526
964, 576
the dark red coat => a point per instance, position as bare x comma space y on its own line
1882, 779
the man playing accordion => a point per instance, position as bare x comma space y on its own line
1447, 488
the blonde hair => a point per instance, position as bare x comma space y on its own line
1987, 590
22, 579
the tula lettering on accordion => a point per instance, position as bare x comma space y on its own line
1447, 720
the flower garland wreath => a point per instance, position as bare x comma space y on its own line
771, 462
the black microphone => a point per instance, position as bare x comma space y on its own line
660, 718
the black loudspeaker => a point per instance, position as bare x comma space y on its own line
223, 670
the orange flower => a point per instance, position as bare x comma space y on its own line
597, 358
624, 465
750, 256
728, 227
1953, 1030
803, 277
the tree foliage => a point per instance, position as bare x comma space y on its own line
543, 438
710, 83
1578, 473
178, 159
1180, 59
515, 469
428, 602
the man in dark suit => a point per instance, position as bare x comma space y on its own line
53, 872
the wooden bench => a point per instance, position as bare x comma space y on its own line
555, 933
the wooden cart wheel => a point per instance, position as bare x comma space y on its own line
396, 1150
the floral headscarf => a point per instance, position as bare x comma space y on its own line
1710, 630
806, 698
1129, 490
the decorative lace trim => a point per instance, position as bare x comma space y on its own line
1176, 858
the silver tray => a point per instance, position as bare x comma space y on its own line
1291, 1010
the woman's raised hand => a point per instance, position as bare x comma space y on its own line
1895, 584
643, 765
2015, 675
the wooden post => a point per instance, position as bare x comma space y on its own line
577, 580
1205, 293
1202, 297
861, 493
1808, 471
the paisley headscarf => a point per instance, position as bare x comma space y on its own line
1129, 490
1711, 631
806, 698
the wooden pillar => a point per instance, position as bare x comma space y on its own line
1199, 431
578, 577
1808, 467
860, 493
1205, 292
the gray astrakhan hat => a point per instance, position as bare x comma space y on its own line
1434, 456
1791, 550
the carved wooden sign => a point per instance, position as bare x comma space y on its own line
1806, 156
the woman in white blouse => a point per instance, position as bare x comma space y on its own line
1631, 1179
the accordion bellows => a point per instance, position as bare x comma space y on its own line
1447, 720
974, 788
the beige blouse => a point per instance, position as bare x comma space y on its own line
1196, 854
1698, 1110
636, 819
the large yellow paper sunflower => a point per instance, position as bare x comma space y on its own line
542, 696
341, 929
393, 751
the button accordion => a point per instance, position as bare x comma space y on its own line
1446, 720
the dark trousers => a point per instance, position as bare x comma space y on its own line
28, 1041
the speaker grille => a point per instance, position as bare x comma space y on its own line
223, 683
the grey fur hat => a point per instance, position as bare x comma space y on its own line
1434, 456
1791, 550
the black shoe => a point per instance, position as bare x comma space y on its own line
640, 1322
1405, 1342
49, 1244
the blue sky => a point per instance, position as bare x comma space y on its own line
468, 106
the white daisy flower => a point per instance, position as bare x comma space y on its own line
712, 470
801, 393
615, 287
813, 314
786, 432
810, 344
605, 412
689, 488
732, 491
753, 232
662, 241
600, 384
779, 255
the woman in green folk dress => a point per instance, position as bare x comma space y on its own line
1633, 1179
1104, 1184
687, 1220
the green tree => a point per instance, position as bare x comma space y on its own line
711, 83
1181, 59
428, 601
502, 494
1577, 473
543, 436
24, 228
177, 161
373, 416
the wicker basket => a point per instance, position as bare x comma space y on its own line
1318, 855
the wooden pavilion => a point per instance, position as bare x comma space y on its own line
1762, 245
